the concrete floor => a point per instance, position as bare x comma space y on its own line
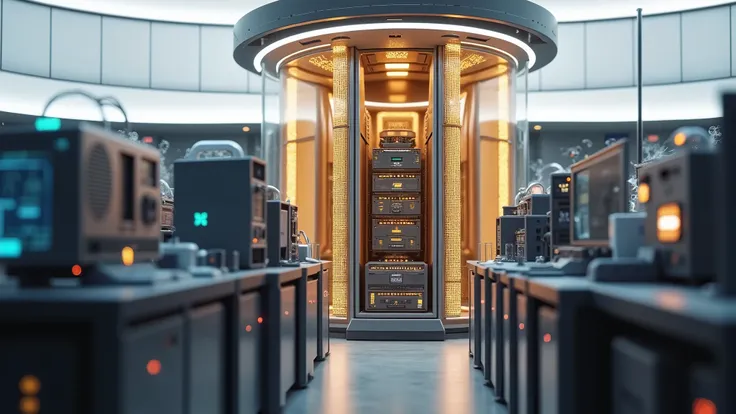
395, 378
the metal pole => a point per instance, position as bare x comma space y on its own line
639, 84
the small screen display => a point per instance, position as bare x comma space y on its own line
397, 159
26, 204
598, 194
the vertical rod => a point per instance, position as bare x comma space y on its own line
639, 84
525, 131
264, 126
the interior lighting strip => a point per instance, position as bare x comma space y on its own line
258, 60
371, 104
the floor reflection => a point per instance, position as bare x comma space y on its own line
395, 378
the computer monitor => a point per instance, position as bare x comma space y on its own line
599, 189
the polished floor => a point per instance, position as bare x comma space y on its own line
396, 378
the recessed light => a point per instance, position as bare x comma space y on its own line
397, 74
397, 66
537, 127
246, 128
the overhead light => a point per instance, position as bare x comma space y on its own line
397, 74
537, 127
246, 129
397, 98
396, 105
451, 28
397, 66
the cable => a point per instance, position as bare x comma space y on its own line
76, 92
113, 102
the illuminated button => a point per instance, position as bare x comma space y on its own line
260, 319
201, 219
248, 328
153, 367
29, 405
704, 406
547, 338
680, 139
643, 193
127, 256
76, 270
29, 385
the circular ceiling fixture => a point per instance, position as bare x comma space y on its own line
272, 35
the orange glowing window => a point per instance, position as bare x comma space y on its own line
643, 193
76, 270
669, 223
153, 367
704, 406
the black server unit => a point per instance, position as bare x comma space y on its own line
395, 280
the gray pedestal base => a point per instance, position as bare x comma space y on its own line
395, 330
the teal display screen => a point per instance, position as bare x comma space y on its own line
26, 204
397, 159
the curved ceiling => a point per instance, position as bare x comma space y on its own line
229, 11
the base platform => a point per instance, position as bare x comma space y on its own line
361, 329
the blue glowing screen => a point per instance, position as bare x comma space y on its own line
26, 204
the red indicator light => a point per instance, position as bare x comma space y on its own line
153, 367
148, 140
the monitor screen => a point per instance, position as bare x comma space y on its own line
599, 190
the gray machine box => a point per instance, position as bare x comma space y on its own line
395, 286
680, 184
559, 223
397, 159
645, 380
529, 242
506, 227
534, 204
397, 235
220, 213
77, 196
282, 231
150, 351
396, 182
397, 204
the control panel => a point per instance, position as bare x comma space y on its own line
396, 286
396, 235
559, 220
396, 159
396, 205
396, 182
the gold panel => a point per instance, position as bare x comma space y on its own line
292, 108
504, 162
452, 222
340, 230
322, 62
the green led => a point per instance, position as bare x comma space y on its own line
48, 124
200, 219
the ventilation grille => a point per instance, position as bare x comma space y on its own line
99, 181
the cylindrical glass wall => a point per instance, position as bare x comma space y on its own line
490, 101
483, 121
301, 149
